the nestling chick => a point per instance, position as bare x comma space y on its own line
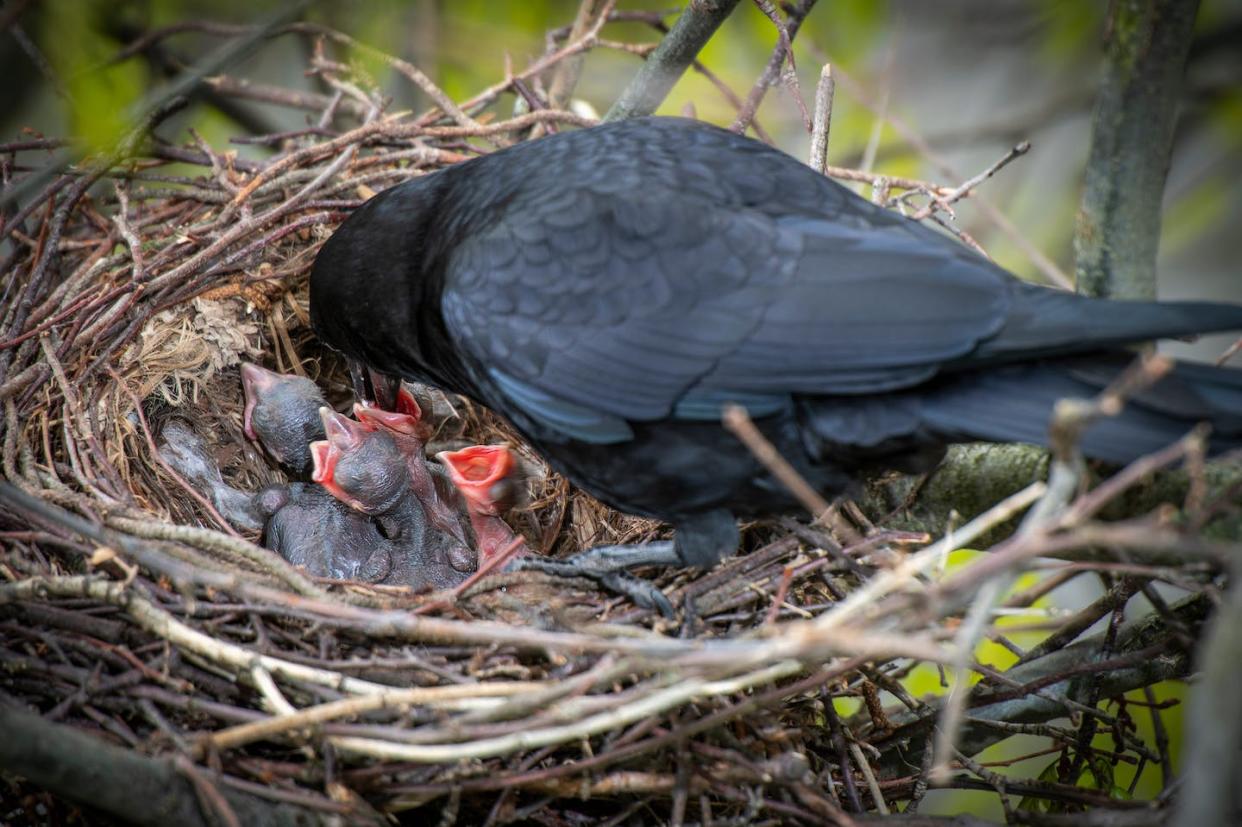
186, 453
366, 470
483, 474
310, 528
282, 415
409, 432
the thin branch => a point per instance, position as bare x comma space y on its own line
822, 120
960, 192
665, 66
772, 72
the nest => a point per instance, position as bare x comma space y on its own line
227, 687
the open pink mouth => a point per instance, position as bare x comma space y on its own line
407, 419
344, 434
477, 470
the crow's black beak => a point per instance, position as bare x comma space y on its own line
373, 386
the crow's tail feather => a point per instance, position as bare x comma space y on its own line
1015, 403
1043, 322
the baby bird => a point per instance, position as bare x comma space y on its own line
483, 475
310, 528
367, 470
282, 415
409, 432
186, 453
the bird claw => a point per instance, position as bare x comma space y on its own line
644, 593
606, 564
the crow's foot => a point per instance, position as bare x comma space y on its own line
607, 564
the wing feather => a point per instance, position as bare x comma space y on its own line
686, 266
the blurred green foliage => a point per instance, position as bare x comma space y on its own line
98, 94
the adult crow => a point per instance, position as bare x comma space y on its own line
608, 290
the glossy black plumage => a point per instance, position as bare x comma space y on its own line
608, 290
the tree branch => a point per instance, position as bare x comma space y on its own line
973, 477
122, 782
671, 58
1118, 228
1210, 793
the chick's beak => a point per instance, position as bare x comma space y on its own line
407, 422
324, 456
343, 433
256, 381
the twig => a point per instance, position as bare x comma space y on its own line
664, 66
738, 422
159, 622
772, 71
822, 120
916, 564
394, 699
873, 786
1051, 272
653, 704
965, 642
960, 192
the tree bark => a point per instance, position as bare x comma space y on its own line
671, 58
974, 477
1211, 790
1118, 227
121, 782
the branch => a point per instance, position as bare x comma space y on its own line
671, 58
1118, 229
973, 477
122, 782
1209, 793
1056, 676
772, 72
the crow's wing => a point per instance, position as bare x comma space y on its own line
603, 307
661, 267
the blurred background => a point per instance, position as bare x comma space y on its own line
936, 91
968, 77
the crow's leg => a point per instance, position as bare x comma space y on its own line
607, 564
701, 540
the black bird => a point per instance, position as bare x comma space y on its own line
608, 290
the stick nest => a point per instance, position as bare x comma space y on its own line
133, 290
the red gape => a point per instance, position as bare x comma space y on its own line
481, 474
